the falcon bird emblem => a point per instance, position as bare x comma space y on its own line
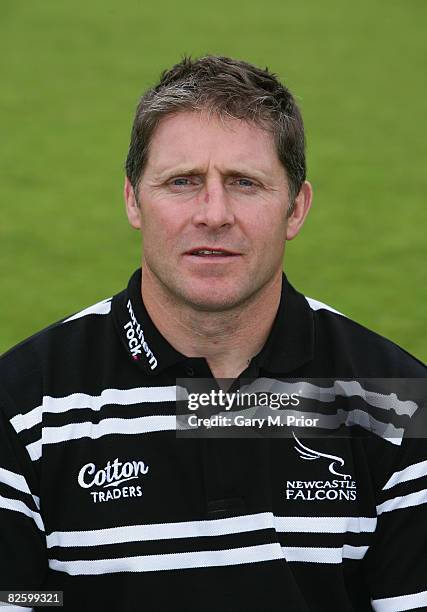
310, 455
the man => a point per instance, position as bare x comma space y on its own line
98, 497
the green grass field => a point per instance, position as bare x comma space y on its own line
72, 73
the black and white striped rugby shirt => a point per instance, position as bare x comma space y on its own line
99, 499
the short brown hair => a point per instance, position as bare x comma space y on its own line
227, 88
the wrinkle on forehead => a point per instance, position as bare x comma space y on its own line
189, 143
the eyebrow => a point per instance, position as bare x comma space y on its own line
194, 171
178, 171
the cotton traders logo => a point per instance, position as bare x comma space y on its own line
136, 339
342, 488
110, 477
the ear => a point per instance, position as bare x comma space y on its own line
132, 208
300, 210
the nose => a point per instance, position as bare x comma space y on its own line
214, 209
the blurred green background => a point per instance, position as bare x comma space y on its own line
71, 75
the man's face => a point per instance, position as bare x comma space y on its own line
212, 210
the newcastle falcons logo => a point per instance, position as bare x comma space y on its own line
311, 455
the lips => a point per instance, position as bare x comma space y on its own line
211, 252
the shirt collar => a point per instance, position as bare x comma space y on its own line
289, 345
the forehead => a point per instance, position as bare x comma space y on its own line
191, 138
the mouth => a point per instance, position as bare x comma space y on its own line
208, 253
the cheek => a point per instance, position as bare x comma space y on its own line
161, 229
268, 234
155, 221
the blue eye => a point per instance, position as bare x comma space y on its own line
180, 182
246, 183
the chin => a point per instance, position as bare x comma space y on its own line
214, 301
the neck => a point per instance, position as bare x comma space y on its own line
227, 340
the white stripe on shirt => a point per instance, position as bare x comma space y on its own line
404, 501
119, 397
401, 603
162, 531
182, 560
325, 524
411, 472
18, 482
316, 305
18, 506
212, 527
113, 426
330, 394
299, 554
100, 308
